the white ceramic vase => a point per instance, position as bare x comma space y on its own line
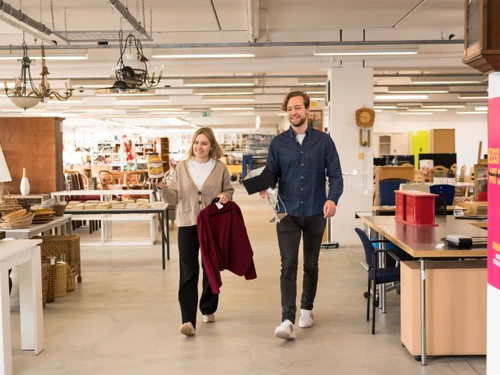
25, 184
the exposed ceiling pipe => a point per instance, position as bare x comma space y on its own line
123, 10
216, 15
261, 44
250, 16
17, 14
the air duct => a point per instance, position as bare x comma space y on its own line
17, 14
123, 10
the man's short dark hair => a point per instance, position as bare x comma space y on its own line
293, 94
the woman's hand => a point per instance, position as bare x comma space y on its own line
158, 182
223, 198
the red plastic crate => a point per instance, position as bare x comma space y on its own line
415, 208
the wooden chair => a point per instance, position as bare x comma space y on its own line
419, 176
454, 169
437, 171
135, 181
106, 178
460, 190
407, 165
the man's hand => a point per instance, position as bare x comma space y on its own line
329, 209
264, 194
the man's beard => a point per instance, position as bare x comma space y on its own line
300, 123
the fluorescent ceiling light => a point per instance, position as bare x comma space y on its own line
311, 90
204, 56
317, 99
282, 114
364, 52
413, 113
228, 99
470, 112
473, 96
481, 108
385, 107
142, 101
379, 110
126, 94
163, 109
99, 110
444, 105
222, 91
53, 114
219, 82
444, 80
48, 57
65, 102
417, 90
168, 113
232, 109
427, 110
401, 96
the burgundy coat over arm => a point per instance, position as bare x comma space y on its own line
224, 243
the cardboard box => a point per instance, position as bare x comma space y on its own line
476, 208
258, 180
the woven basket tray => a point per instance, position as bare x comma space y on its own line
23, 223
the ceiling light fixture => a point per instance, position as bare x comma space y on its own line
24, 94
223, 91
219, 82
385, 107
470, 112
312, 81
444, 80
132, 72
232, 109
45, 87
427, 109
481, 108
413, 113
401, 97
203, 56
443, 105
365, 52
417, 90
142, 101
227, 98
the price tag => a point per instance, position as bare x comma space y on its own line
219, 205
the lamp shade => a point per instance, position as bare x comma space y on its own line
4, 171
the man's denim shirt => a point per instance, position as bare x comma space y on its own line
301, 171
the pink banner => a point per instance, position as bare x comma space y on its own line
494, 192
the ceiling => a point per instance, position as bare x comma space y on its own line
282, 34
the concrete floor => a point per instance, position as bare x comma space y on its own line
124, 318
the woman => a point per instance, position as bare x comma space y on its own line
196, 182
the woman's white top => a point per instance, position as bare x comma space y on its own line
200, 171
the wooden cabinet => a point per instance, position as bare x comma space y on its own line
390, 144
34, 143
456, 307
442, 141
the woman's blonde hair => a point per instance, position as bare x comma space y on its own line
216, 151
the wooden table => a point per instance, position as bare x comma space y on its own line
420, 242
391, 210
103, 194
34, 198
60, 223
26, 255
105, 217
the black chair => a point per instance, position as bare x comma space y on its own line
444, 191
377, 275
387, 188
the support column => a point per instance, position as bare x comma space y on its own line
493, 320
351, 88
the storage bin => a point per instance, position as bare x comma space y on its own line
415, 208
69, 245
61, 279
50, 294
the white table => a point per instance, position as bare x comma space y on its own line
26, 255
103, 194
63, 223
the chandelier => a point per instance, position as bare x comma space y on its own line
132, 73
45, 90
24, 94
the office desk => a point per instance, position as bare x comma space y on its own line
420, 243
61, 223
26, 255
105, 217
391, 210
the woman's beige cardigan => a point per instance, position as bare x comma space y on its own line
190, 200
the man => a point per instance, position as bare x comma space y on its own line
300, 159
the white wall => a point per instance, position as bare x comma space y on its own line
469, 130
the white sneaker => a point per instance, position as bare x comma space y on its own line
306, 319
188, 329
209, 318
285, 331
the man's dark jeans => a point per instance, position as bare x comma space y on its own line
289, 231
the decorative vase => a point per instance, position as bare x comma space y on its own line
25, 184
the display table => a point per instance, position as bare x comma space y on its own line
26, 255
32, 198
105, 195
106, 216
61, 224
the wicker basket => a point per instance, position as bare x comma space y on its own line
61, 279
59, 210
8, 204
71, 279
69, 245
23, 223
45, 281
51, 283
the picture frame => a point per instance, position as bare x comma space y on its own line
480, 179
315, 119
